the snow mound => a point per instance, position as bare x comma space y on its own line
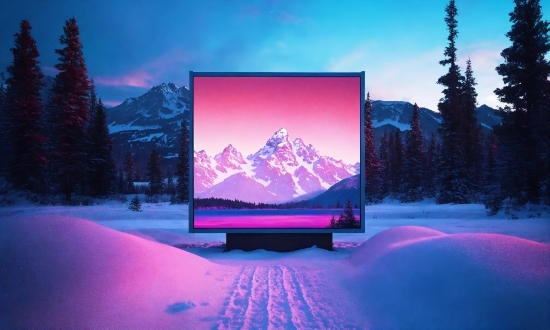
59, 272
418, 278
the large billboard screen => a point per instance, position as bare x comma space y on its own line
277, 152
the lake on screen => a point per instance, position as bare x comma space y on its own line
302, 218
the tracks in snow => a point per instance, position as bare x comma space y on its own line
281, 297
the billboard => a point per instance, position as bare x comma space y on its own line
276, 152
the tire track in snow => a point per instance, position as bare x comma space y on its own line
237, 304
302, 318
277, 307
256, 314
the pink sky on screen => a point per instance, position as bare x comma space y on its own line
247, 111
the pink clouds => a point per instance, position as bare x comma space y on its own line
133, 79
111, 103
150, 73
49, 69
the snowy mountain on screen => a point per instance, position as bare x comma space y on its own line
283, 169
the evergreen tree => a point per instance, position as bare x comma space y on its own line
170, 187
129, 172
154, 173
372, 165
137, 175
470, 132
70, 100
182, 170
431, 168
24, 109
492, 197
453, 183
3, 124
523, 134
102, 164
347, 218
415, 160
384, 164
397, 158
135, 204
121, 184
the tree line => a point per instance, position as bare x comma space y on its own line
62, 145
510, 166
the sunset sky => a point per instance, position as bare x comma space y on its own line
133, 45
247, 111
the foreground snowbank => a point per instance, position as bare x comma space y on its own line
418, 278
67, 273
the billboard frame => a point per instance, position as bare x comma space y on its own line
361, 75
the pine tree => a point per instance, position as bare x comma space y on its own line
372, 165
347, 218
182, 170
135, 204
453, 183
129, 172
523, 134
415, 160
121, 184
170, 187
102, 165
24, 109
385, 164
397, 158
154, 173
492, 196
470, 132
3, 124
431, 167
70, 99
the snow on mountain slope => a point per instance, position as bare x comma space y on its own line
287, 169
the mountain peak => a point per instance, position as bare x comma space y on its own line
281, 132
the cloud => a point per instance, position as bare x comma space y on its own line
111, 103
413, 77
49, 70
133, 79
150, 73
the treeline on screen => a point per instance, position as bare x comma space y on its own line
221, 203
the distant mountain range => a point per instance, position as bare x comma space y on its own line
154, 119
280, 171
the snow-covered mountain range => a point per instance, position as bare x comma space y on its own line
281, 170
150, 120
154, 118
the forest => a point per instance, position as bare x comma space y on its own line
61, 145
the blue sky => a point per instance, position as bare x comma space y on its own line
132, 45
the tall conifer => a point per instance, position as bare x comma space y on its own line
70, 98
452, 179
24, 110
524, 135
415, 160
372, 165
102, 165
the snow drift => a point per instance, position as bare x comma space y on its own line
66, 273
419, 278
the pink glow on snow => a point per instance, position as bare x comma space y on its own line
264, 221
134, 79
66, 273
247, 111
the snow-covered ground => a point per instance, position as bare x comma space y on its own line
417, 266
